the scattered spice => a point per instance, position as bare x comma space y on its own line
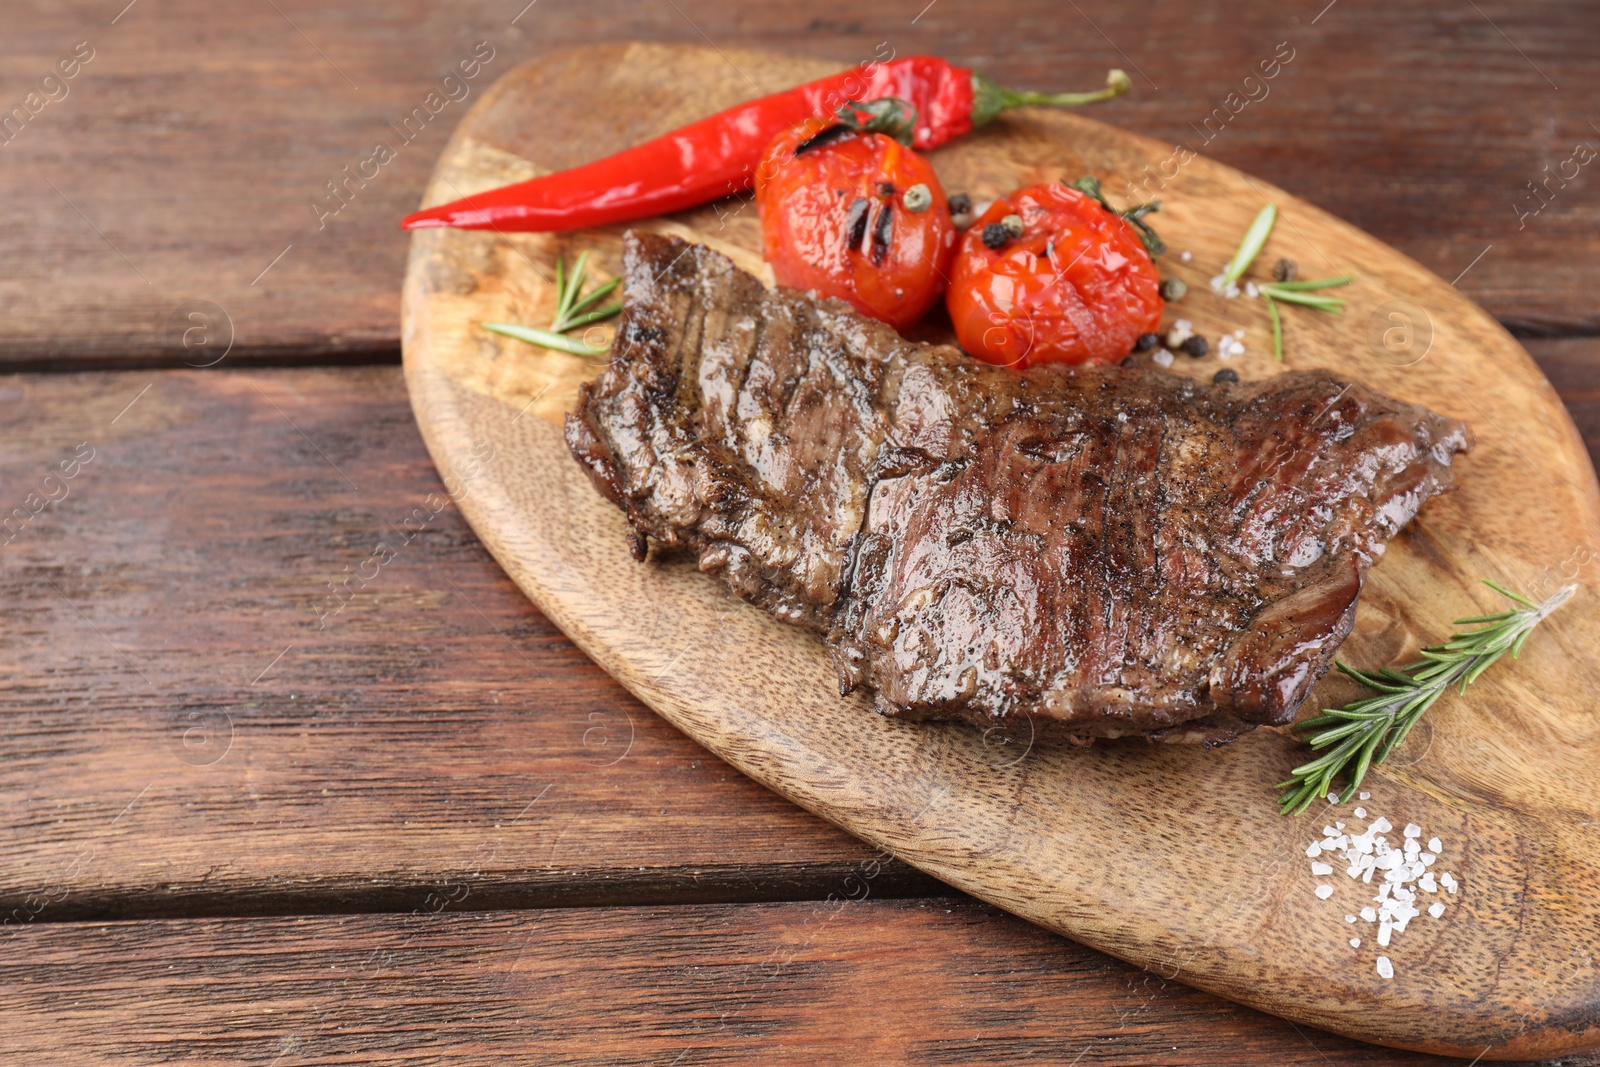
1173, 289
1402, 873
995, 235
1195, 346
1284, 270
1226, 374
918, 198
1146, 342
961, 210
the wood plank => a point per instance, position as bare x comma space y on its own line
895, 982
186, 732
112, 243
198, 542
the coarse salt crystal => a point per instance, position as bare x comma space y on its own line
1333, 798
1384, 934
1321, 868
1355, 942
1239, 336
1413, 830
1324, 892
1162, 358
1361, 813
1251, 290
1382, 825
1186, 256
1385, 968
1369, 914
1349, 918
1364, 796
1314, 849
1435, 845
1436, 910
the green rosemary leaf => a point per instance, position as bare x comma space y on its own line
535, 336
1367, 730
1503, 591
1317, 283
1277, 327
598, 315
599, 294
1332, 305
1250, 247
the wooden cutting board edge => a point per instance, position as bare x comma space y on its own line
448, 412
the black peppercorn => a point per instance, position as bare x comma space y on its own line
1284, 270
1195, 346
961, 204
1226, 374
995, 235
1146, 342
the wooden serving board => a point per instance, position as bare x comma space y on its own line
1173, 858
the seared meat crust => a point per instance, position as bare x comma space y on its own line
1073, 553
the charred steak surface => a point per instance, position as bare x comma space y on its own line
1076, 553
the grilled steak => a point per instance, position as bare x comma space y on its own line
1076, 553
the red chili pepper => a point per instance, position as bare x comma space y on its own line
717, 156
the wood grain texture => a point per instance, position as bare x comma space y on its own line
924, 982
162, 757
188, 153
1050, 835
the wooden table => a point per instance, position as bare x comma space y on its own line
252, 820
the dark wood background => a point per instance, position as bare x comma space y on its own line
241, 827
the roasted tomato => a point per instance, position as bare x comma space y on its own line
856, 215
1071, 284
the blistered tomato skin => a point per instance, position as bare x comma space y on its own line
1076, 287
834, 219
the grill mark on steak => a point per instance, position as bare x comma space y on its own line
1076, 554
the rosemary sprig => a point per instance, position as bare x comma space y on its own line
1363, 733
1302, 293
573, 309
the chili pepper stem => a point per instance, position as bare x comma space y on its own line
990, 98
